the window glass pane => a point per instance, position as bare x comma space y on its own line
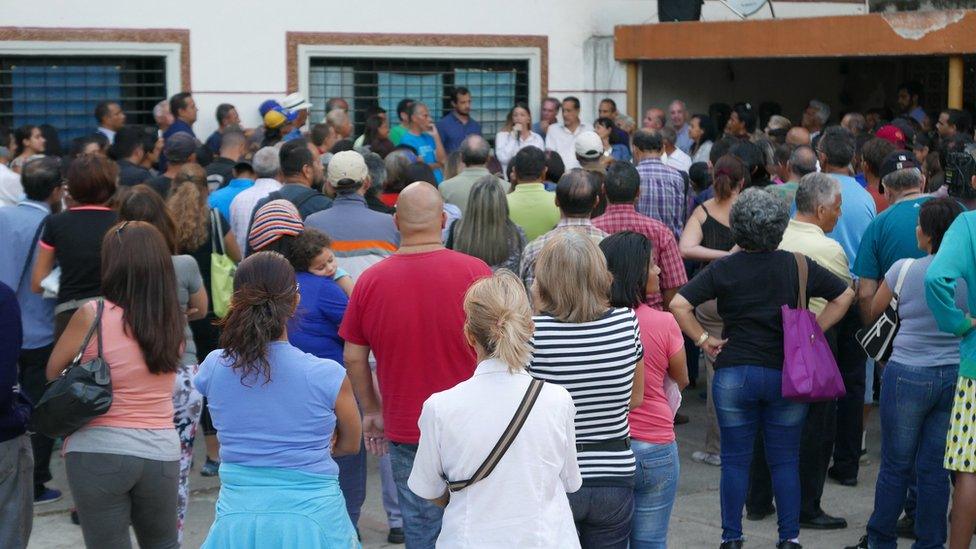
326, 82
492, 95
426, 88
63, 91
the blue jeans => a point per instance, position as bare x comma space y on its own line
916, 402
352, 481
421, 518
747, 398
655, 487
602, 515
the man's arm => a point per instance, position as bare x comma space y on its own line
866, 288
356, 358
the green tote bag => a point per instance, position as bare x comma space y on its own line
222, 268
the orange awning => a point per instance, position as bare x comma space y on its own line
950, 32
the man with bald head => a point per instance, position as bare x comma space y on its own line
407, 309
475, 152
798, 135
653, 119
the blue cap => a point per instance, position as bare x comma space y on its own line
268, 105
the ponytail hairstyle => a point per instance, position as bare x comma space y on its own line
729, 176
499, 319
188, 204
264, 299
138, 276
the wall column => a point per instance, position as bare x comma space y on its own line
955, 81
632, 89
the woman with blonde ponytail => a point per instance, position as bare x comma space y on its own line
522, 502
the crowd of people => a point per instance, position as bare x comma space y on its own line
507, 322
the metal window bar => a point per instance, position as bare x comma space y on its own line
63, 90
495, 85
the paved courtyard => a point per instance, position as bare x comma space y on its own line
695, 522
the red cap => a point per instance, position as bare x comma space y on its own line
893, 135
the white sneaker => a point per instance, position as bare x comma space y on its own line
707, 458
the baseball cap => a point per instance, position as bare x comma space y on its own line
272, 221
346, 168
588, 145
277, 117
179, 146
268, 105
296, 102
906, 128
893, 135
897, 160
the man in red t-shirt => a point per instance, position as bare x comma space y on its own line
408, 310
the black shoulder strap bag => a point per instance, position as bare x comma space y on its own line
514, 426
81, 393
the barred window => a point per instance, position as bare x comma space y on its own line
495, 86
63, 91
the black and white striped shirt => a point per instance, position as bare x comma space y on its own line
594, 361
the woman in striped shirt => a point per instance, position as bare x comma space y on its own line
592, 350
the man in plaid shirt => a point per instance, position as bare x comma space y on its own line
622, 185
662, 188
576, 195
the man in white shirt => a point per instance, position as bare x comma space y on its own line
673, 156
561, 138
11, 190
267, 168
110, 119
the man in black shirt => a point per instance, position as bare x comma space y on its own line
180, 149
129, 151
221, 170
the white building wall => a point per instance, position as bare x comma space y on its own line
238, 47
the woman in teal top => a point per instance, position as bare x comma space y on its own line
957, 259
281, 416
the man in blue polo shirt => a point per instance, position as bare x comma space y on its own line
458, 123
20, 226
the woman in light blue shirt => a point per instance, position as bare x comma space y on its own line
277, 412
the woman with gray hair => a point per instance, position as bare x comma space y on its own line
750, 287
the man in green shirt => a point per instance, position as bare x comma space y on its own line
530, 205
802, 161
403, 112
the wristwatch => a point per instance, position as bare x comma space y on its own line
701, 339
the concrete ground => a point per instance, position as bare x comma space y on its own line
695, 522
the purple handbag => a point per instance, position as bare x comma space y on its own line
810, 372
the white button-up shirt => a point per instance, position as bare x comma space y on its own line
243, 204
523, 502
563, 141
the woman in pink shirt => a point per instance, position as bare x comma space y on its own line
630, 260
123, 466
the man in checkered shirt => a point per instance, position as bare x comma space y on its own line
662, 188
622, 186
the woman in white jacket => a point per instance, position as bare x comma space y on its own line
516, 135
522, 502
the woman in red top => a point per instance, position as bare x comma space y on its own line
635, 276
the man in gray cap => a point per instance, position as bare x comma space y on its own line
179, 149
364, 236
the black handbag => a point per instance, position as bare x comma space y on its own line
877, 340
81, 393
